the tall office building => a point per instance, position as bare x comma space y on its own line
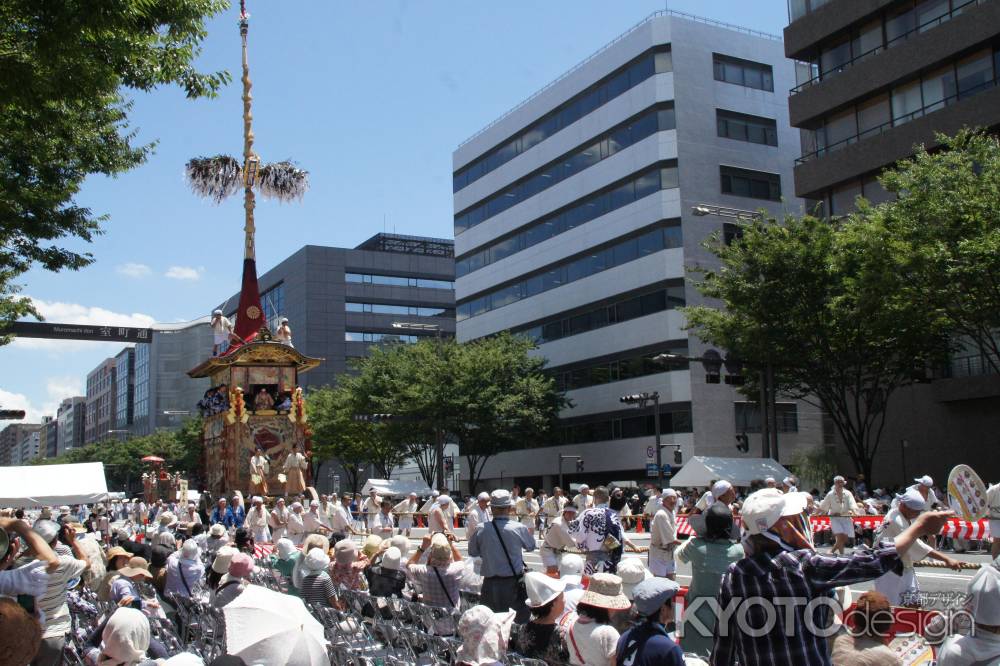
340, 301
71, 417
573, 225
101, 402
124, 389
29, 447
11, 438
48, 441
164, 395
875, 78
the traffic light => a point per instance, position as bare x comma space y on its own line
632, 398
742, 442
11, 414
678, 457
579, 465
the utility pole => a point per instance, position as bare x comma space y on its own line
763, 417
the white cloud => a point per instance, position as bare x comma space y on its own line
134, 270
56, 389
184, 273
74, 313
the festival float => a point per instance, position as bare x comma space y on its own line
255, 420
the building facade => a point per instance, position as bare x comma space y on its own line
163, 394
48, 441
11, 438
341, 301
875, 78
124, 388
101, 401
71, 418
573, 225
29, 447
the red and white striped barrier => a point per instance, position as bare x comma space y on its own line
955, 527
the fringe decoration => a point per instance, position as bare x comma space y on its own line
216, 178
282, 181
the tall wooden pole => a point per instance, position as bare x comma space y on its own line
249, 201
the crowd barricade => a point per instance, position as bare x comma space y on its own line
955, 527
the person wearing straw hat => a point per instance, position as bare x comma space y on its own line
235, 581
782, 564
903, 588
479, 514
348, 566
218, 536
982, 645
648, 643
663, 536
591, 639
404, 511
125, 589
840, 505
184, 570
541, 638
220, 567
557, 539
388, 578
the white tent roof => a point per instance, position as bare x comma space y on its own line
397, 488
702, 470
35, 486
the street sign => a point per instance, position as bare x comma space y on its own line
30, 329
650, 453
667, 471
651, 470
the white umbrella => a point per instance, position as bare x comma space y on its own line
268, 627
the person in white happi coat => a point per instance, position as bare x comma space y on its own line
326, 506
840, 505
383, 524
663, 536
370, 507
438, 521
190, 515
993, 507
653, 504
721, 491
584, 500
313, 521
404, 511
903, 589
981, 646
278, 520
526, 509
552, 507
257, 521
557, 540
477, 514
341, 522
296, 527
789, 485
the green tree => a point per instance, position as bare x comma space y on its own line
336, 434
947, 207
834, 308
66, 70
505, 400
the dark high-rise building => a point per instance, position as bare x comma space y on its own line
72, 417
874, 79
124, 388
341, 301
101, 401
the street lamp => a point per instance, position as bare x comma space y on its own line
642, 400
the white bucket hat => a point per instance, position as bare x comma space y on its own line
542, 588
632, 572
766, 507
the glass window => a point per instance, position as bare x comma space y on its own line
650, 242
867, 41
669, 178
646, 184
663, 62
939, 88
654, 302
906, 103
900, 22
841, 129
975, 73
931, 13
627, 251
873, 115
641, 70
843, 198
618, 84
666, 119
623, 195
833, 57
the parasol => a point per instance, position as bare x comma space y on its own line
152, 459
268, 627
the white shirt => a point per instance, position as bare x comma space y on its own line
526, 510
476, 517
314, 522
340, 521
841, 504
257, 520
261, 463
557, 536
662, 533
371, 505
594, 642
653, 504
983, 648
706, 500
553, 506
296, 525
382, 524
583, 502
892, 526
993, 501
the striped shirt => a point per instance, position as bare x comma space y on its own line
53, 603
789, 580
434, 594
317, 589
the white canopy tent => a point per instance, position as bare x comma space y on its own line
396, 488
36, 486
700, 471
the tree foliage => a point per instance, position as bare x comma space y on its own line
181, 449
488, 395
948, 209
66, 69
834, 307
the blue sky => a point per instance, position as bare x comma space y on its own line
370, 97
